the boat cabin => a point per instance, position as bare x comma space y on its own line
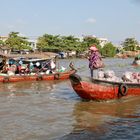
26, 64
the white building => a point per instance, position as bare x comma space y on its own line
103, 41
33, 44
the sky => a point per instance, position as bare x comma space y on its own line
115, 20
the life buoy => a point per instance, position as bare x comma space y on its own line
123, 89
56, 76
5, 79
39, 78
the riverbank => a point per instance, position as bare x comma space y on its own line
127, 54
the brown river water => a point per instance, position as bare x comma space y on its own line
51, 110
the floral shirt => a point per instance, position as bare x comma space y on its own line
93, 58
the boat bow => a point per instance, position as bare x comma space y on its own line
75, 78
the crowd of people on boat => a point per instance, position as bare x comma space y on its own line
13, 67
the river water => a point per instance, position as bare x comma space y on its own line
52, 110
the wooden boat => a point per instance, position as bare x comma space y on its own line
95, 89
136, 61
36, 77
33, 76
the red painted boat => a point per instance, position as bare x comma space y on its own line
95, 89
37, 77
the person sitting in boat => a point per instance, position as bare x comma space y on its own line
37, 67
31, 67
5, 68
11, 69
2, 64
45, 66
95, 61
48, 67
52, 67
22, 69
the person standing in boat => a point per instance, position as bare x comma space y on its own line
95, 61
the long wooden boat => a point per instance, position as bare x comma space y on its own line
95, 89
36, 77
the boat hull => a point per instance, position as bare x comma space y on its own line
36, 77
102, 90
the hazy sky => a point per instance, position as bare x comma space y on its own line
112, 19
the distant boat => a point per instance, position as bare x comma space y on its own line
62, 55
136, 61
95, 89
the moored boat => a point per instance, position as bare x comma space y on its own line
95, 89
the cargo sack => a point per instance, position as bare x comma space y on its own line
98, 64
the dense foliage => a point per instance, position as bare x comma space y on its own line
17, 42
2, 43
66, 43
57, 43
108, 50
130, 44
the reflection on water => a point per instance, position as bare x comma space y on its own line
104, 120
25, 88
52, 111
35, 110
90, 115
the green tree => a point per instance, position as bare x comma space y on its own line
58, 43
70, 43
109, 50
17, 42
130, 44
89, 40
2, 43
49, 42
